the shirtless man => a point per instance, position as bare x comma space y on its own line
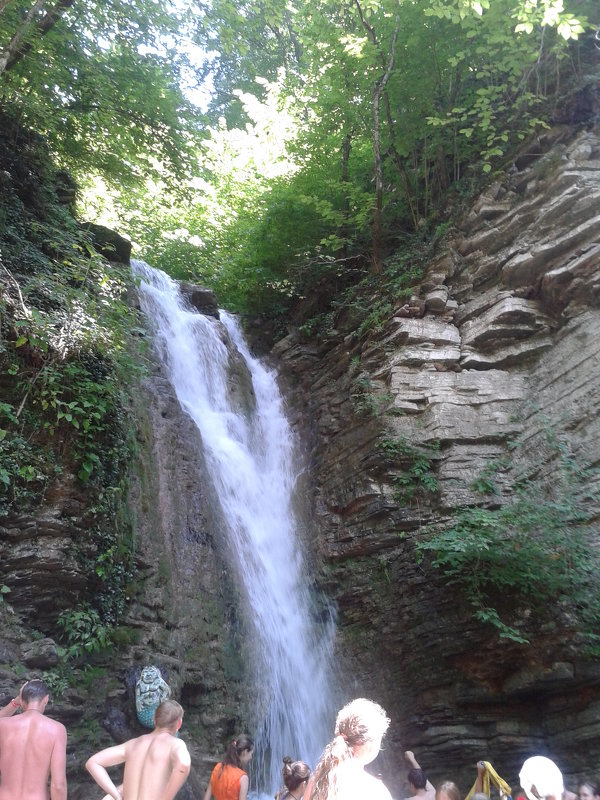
32, 747
420, 787
156, 764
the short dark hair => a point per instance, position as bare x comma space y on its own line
33, 691
417, 777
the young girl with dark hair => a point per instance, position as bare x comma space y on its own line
359, 729
295, 777
229, 780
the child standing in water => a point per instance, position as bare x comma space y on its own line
340, 775
229, 779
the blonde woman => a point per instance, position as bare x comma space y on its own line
340, 774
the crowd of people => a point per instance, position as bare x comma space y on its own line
157, 764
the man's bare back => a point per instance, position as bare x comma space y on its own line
32, 748
156, 764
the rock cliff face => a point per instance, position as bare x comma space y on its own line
182, 608
500, 341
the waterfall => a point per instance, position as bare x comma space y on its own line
250, 457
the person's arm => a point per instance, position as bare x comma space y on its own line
309, 788
10, 708
410, 757
208, 792
480, 774
58, 766
180, 769
243, 794
96, 766
119, 789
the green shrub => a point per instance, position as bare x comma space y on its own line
84, 631
533, 550
414, 466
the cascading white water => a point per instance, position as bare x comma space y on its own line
251, 461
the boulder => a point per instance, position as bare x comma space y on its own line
41, 654
201, 298
108, 243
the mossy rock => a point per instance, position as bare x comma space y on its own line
108, 242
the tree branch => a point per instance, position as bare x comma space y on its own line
15, 42
17, 48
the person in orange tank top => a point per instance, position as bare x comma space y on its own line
229, 780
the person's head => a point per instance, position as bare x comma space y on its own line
239, 752
447, 790
294, 773
588, 790
416, 779
169, 714
34, 694
359, 727
540, 778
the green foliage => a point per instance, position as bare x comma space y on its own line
485, 482
363, 398
466, 87
56, 680
416, 466
375, 319
103, 86
68, 357
124, 636
26, 469
66, 339
270, 195
84, 632
532, 551
89, 677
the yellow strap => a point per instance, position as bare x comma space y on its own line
490, 773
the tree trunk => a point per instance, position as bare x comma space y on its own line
346, 149
15, 43
399, 163
17, 47
378, 90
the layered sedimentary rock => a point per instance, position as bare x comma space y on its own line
500, 341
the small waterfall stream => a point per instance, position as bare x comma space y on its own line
251, 461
